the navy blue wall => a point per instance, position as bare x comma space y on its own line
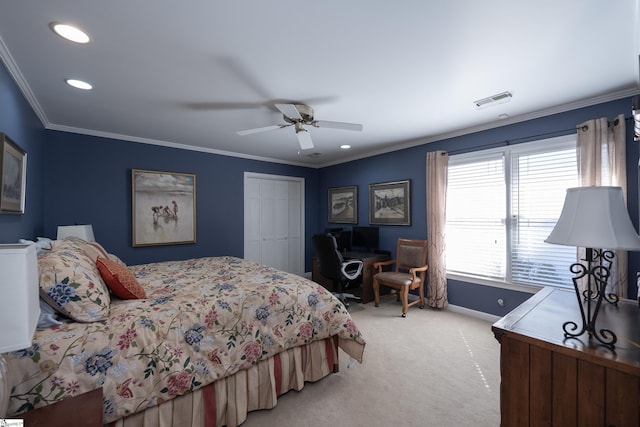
397, 166
411, 164
21, 124
89, 182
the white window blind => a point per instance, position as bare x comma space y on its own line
502, 204
475, 230
539, 186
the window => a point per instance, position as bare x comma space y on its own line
502, 204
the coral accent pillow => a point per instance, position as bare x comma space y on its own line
119, 279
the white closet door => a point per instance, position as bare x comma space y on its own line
274, 209
274, 220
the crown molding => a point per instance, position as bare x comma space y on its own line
17, 76
169, 144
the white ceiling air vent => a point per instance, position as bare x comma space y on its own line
496, 99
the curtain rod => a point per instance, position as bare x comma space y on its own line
508, 142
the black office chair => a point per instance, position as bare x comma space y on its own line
334, 267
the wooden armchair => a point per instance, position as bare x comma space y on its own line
409, 274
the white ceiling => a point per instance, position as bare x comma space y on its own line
192, 73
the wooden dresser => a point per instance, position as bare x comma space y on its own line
547, 380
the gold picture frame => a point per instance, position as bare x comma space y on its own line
13, 176
164, 208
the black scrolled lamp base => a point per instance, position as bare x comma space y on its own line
597, 277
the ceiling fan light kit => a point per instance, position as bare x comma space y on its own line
300, 115
304, 137
294, 113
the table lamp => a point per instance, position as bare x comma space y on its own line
19, 306
84, 232
594, 218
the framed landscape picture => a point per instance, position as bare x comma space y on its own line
13, 176
343, 204
389, 203
164, 208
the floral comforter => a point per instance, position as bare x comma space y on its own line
204, 319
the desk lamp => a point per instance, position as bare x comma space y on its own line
594, 218
84, 232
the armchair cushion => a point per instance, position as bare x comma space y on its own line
395, 278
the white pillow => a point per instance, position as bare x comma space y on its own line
43, 244
47, 315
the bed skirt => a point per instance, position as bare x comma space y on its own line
228, 401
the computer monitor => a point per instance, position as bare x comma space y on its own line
333, 230
365, 238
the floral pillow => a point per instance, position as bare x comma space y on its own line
94, 250
70, 282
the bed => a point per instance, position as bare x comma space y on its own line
199, 342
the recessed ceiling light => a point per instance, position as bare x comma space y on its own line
79, 84
345, 146
503, 116
70, 32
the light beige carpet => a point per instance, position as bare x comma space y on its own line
434, 368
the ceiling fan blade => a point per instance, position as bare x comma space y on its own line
304, 139
289, 110
262, 129
337, 125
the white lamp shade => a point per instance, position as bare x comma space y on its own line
595, 217
19, 299
84, 232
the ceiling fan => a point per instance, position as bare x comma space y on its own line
300, 115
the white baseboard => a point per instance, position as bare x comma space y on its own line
474, 313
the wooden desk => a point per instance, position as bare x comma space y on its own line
367, 258
547, 379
